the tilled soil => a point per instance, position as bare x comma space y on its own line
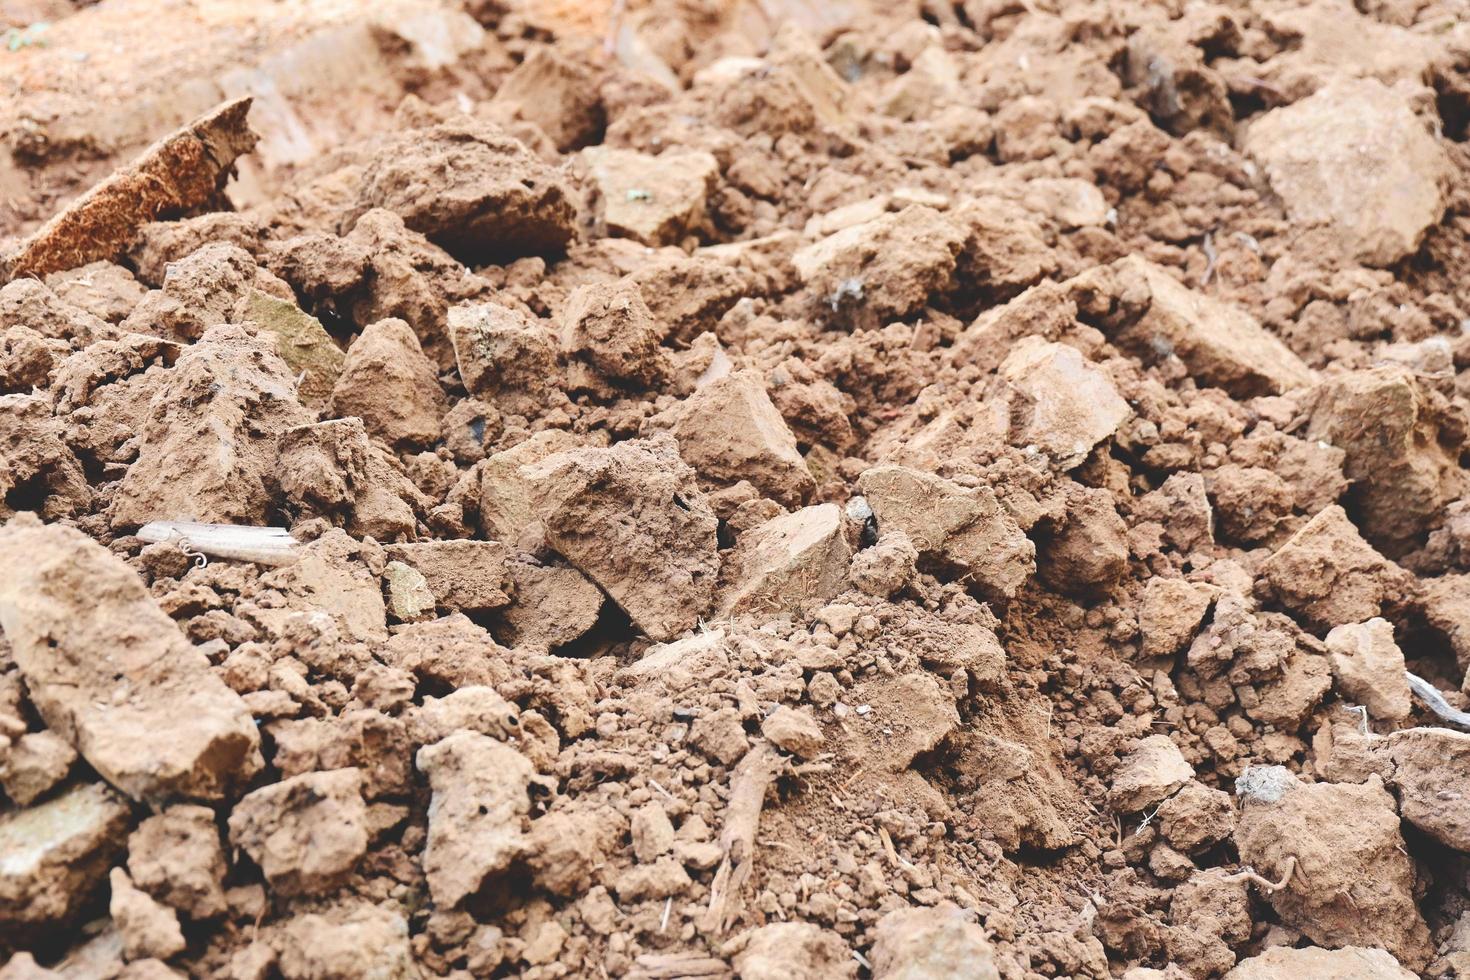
774, 490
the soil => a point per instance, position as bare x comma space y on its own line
775, 489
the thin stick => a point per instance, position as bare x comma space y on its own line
753, 776
1430, 695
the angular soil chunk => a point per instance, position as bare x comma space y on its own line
1170, 615
931, 944
504, 357
787, 564
176, 857
104, 289
963, 529
211, 285
1429, 769
303, 343
1314, 963
1089, 552
148, 929
347, 941
32, 765
1056, 402
1330, 575
465, 576
334, 470
30, 303
729, 431
1446, 602
654, 200
631, 519
388, 383
84, 629
181, 172
1152, 770
481, 793
208, 445
506, 507
1354, 156
555, 92
610, 327
882, 269
36, 464
1354, 881
1401, 454
307, 833
1369, 668
57, 854
1221, 345
554, 605
795, 951
473, 191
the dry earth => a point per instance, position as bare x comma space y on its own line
776, 489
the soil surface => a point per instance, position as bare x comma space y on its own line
774, 489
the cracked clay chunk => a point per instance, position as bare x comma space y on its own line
504, 356
481, 794
1430, 773
1222, 345
932, 944
883, 269
964, 528
390, 384
631, 519
111, 672
307, 833
465, 576
795, 951
610, 326
1330, 575
473, 191
1057, 402
729, 430
1400, 455
1354, 156
1149, 773
1315, 963
147, 928
1369, 668
347, 941
653, 200
1353, 884
207, 448
176, 857
788, 563
57, 853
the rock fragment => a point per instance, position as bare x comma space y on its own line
1152, 769
883, 269
1369, 668
176, 857
931, 944
792, 730
653, 200
307, 833
347, 941
1400, 451
1354, 157
1353, 883
464, 576
1220, 344
57, 853
183, 171
32, 765
208, 446
387, 382
786, 564
1056, 402
795, 951
729, 430
610, 327
886, 568
504, 357
481, 793
409, 598
963, 530
1330, 575
1315, 963
631, 519
472, 190
114, 675
148, 929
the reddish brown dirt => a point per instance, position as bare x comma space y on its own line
780, 490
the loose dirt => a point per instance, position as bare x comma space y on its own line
774, 489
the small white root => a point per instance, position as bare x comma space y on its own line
1265, 884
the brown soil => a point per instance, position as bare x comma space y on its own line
779, 489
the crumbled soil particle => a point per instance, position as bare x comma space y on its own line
783, 490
